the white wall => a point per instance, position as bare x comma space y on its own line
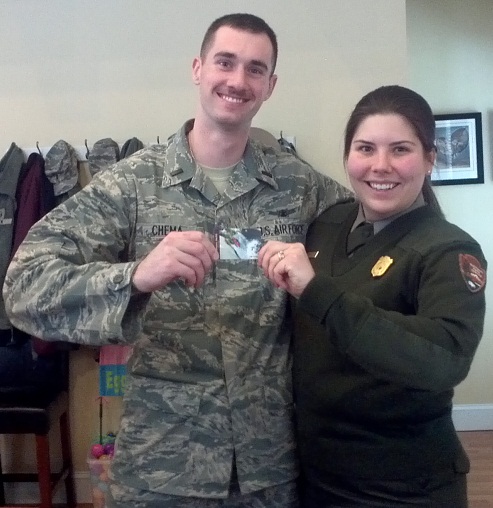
122, 68
451, 64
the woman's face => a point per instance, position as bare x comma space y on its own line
387, 165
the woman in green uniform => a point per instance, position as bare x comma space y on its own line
389, 313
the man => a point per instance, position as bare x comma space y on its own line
132, 258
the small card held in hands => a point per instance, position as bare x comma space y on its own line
237, 243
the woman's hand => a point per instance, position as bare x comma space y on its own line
286, 265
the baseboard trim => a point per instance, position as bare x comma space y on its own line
83, 487
473, 416
28, 493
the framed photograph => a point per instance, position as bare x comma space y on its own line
459, 143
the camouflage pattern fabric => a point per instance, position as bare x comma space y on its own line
103, 154
131, 146
61, 167
10, 169
210, 376
280, 496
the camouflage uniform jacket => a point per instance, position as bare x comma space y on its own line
209, 381
10, 170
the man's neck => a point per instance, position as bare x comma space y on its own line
216, 148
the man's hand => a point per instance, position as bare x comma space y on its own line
186, 255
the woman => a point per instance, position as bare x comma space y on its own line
386, 329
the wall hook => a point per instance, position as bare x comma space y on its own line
37, 146
158, 140
87, 149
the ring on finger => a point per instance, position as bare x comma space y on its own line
280, 255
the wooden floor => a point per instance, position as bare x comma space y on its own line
479, 447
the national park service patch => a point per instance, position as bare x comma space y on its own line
473, 273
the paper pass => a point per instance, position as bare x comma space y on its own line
237, 243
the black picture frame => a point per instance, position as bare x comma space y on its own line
459, 143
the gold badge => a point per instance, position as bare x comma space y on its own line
381, 266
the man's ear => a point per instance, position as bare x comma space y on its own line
272, 85
196, 66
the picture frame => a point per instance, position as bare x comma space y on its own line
459, 143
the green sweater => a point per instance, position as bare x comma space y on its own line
377, 357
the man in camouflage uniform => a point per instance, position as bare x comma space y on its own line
132, 258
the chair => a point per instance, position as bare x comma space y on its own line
35, 410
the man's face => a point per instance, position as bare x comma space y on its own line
234, 77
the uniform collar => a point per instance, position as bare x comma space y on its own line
380, 224
255, 166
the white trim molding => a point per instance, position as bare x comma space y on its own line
473, 416
28, 493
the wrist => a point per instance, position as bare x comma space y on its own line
135, 283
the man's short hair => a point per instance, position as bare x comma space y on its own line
240, 21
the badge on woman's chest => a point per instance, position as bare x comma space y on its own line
381, 266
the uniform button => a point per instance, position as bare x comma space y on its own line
117, 278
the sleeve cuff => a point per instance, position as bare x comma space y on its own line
319, 296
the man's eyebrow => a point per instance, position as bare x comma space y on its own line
224, 54
232, 56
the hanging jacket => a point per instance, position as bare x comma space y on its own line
35, 197
10, 168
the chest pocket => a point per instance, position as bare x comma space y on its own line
244, 293
175, 306
260, 294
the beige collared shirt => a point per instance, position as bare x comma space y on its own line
380, 224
